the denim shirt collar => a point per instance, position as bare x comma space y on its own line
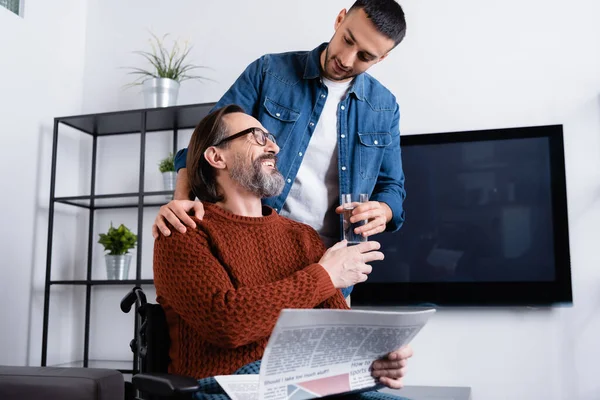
312, 70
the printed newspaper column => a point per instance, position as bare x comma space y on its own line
315, 353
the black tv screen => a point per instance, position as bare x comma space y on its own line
486, 223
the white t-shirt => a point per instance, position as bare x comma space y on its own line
314, 193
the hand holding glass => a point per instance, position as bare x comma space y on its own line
349, 203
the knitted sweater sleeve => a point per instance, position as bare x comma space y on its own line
195, 284
337, 301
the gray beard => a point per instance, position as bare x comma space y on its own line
254, 179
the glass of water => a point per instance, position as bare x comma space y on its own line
349, 203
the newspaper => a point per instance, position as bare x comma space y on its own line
317, 353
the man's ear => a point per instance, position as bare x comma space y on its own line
383, 57
339, 19
215, 158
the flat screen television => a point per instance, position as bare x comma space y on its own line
486, 223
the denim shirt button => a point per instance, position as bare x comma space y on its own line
322, 96
343, 108
300, 154
375, 142
343, 168
342, 136
312, 124
277, 114
289, 180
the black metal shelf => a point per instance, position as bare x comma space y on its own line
99, 125
123, 366
93, 282
126, 122
117, 200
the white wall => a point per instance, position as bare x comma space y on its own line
465, 64
223, 40
41, 78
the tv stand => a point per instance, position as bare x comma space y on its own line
432, 392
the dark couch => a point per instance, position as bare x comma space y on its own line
50, 383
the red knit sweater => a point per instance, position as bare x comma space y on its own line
223, 285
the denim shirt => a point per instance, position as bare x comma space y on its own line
285, 93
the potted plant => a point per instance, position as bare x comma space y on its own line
118, 242
168, 68
167, 168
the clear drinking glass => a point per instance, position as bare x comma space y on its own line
349, 203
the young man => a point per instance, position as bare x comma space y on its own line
338, 127
223, 284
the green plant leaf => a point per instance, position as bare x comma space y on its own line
167, 164
118, 241
166, 63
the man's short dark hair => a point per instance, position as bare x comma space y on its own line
387, 16
201, 175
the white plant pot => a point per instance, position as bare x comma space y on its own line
160, 92
169, 179
117, 267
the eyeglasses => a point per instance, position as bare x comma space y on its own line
259, 135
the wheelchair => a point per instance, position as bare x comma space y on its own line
151, 347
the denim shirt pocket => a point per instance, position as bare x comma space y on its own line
372, 148
279, 120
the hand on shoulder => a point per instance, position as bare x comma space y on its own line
177, 214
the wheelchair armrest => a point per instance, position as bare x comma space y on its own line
164, 384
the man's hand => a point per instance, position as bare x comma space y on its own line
348, 266
176, 212
377, 213
391, 369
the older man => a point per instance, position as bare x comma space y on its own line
223, 284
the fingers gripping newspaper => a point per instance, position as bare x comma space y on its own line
317, 353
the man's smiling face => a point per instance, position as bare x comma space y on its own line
251, 165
